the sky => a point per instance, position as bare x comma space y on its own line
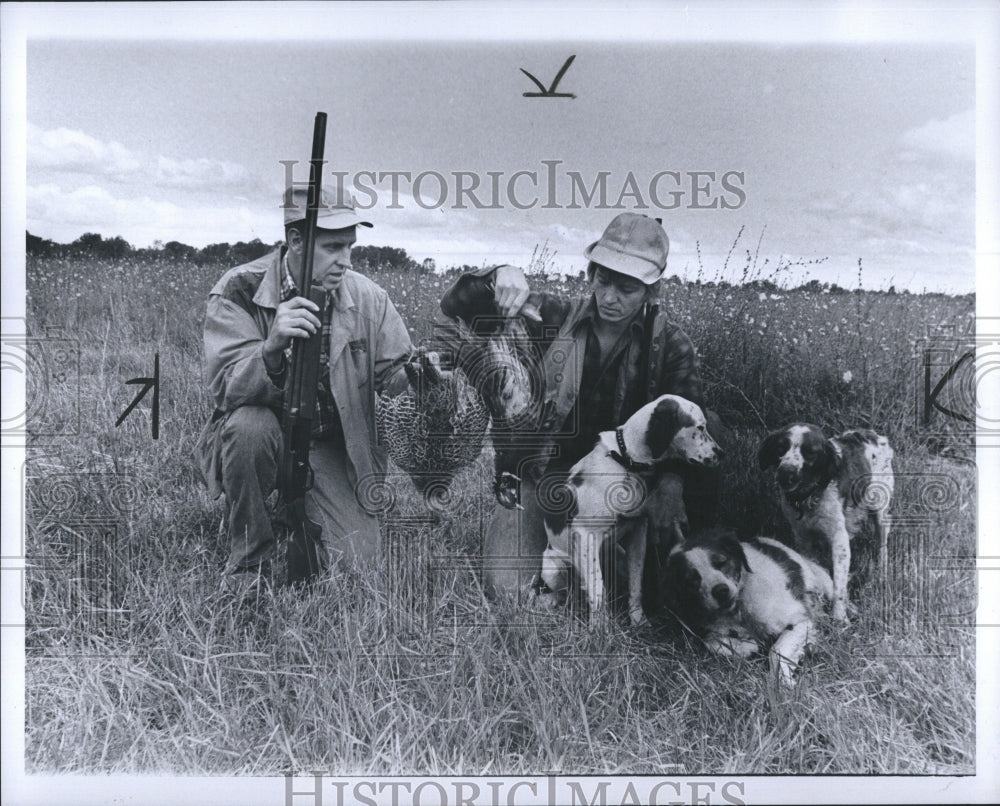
816, 154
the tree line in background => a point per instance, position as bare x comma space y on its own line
387, 258
91, 244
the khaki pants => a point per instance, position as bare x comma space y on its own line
250, 446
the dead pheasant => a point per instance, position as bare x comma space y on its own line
435, 428
504, 366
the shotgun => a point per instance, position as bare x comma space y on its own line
304, 545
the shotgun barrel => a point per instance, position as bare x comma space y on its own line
304, 540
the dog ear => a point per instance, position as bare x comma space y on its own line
664, 423
772, 449
726, 541
832, 459
735, 549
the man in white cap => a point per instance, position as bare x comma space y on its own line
605, 355
253, 314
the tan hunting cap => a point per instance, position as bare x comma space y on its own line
632, 244
336, 210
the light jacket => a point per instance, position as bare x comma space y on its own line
369, 344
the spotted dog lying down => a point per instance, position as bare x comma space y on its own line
617, 489
740, 595
829, 490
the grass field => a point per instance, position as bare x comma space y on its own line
404, 668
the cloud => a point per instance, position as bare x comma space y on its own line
65, 215
199, 174
575, 238
925, 204
953, 136
71, 150
934, 214
485, 237
916, 232
62, 150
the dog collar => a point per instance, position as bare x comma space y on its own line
621, 456
805, 501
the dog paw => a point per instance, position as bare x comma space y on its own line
720, 648
782, 670
744, 647
729, 647
546, 603
638, 618
555, 572
839, 612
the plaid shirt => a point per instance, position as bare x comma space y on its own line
471, 299
326, 419
599, 376
671, 368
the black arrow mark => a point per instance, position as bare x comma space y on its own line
147, 384
551, 91
930, 397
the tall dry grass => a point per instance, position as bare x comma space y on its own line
404, 668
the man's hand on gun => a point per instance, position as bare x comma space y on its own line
295, 318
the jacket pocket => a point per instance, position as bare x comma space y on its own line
362, 361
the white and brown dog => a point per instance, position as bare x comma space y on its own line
742, 595
829, 489
617, 488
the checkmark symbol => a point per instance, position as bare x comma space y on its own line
551, 91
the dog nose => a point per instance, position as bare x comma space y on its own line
786, 475
721, 594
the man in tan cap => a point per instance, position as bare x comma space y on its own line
624, 354
253, 314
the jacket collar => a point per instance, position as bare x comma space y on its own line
342, 297
269, 293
